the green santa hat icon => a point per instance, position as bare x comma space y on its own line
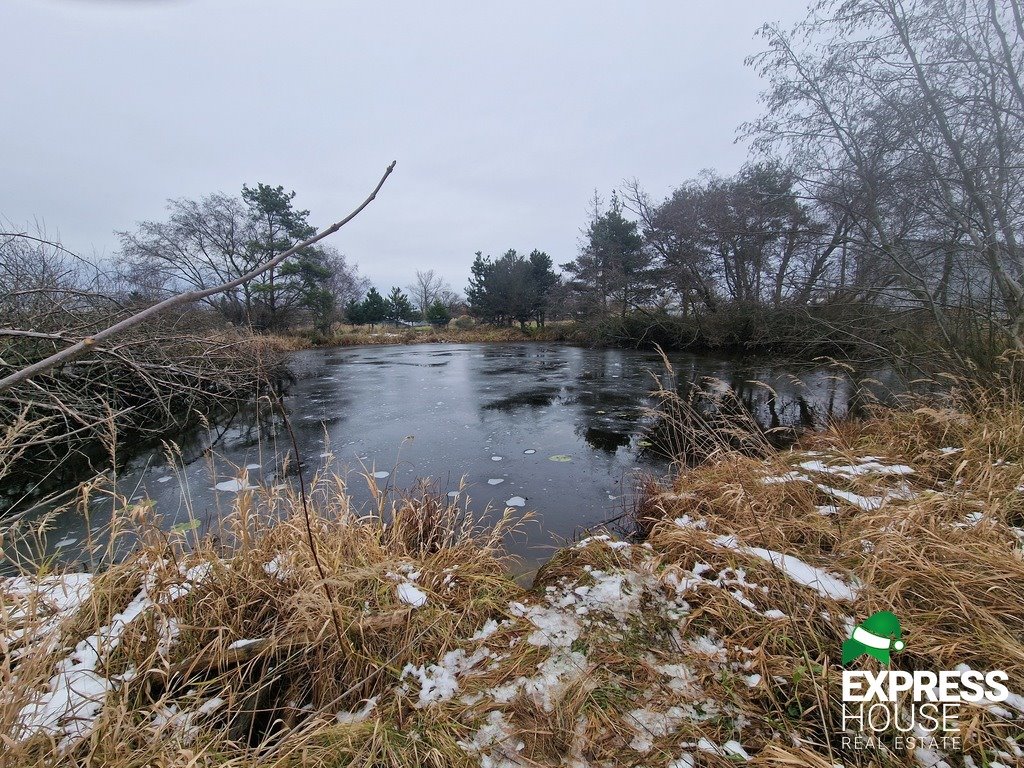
876, 636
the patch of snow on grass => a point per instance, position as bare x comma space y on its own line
276, 568
648, 725
826, 583
617, 593
244, 642
42, 605
348, 718
185, 722
868, 466
555, 627
495, 735
605, 539
682, 679
489, 628
729, 749
554, 675
789, 477
59, 594
193, 577
412, 595
78, 690
439, 682
867, 503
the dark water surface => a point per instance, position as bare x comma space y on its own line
474, 414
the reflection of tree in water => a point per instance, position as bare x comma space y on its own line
608, 422
741, 412
609, 417
604, 439
546, 364
795, 401
535, 398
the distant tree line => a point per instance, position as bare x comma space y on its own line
886, 173
218, 238
429, 300
745, 239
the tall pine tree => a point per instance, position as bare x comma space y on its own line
375, 308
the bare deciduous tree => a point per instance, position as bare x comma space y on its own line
426, 289
908, 117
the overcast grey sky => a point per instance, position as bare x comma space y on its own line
503, 117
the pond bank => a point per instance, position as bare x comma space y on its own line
68, 423
796, 333
357, 336
715, 641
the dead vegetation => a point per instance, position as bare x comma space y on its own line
144, 385
172, 370
224, 653
715, 640
353, 336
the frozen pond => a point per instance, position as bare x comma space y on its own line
555, 430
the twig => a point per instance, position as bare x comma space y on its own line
279, 402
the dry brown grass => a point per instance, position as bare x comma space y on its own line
680, 645
297, 674
948, 561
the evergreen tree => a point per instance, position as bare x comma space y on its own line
276, 227
354, 312
375, 308
613, 268
308, 280
510, 289
476, 291
438, 314
398, 307
544, 279
513, 290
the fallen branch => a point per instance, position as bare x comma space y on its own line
88, 344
